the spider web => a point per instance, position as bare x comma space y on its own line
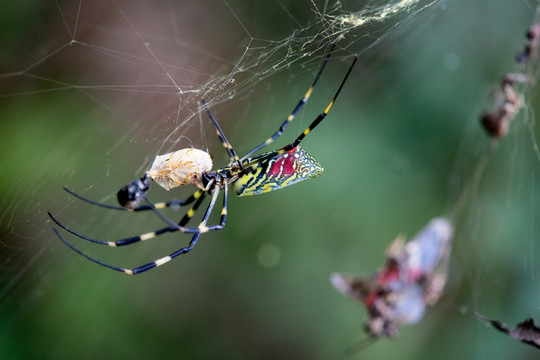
91, 92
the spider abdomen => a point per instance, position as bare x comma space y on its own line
278, 172
179, 168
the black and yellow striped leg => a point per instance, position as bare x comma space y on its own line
223, 219
312, 126
162, 205
199, 195
191, 212
226, 144
87, 256
321, 117
201, 229
300, 104
128, 241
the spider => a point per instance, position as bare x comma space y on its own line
249, 176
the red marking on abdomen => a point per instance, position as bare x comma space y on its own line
284, 166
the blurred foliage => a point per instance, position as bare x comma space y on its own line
399, 147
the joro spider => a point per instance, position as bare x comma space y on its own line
249, 175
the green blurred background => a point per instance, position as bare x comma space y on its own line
399, 147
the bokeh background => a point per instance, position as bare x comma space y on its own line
401, 145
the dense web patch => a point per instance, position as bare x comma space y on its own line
125, 56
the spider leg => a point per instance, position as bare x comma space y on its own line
202, 226
226, 144
300, 104
201, 229
161, 205
191, 212
117, 243
87, 256
172, 228
223, 219
146, 236
321, 117
312, 126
